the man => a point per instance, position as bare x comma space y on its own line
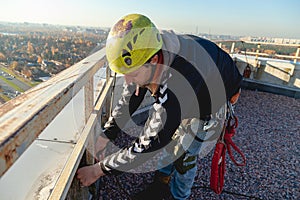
191, 80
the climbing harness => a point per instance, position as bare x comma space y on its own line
224, 143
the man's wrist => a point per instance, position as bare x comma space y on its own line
98, 170
104, 170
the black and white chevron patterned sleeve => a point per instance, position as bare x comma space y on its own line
159, 128
125, 107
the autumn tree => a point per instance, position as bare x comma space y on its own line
13, 65
40, 59
2, 56
53, 50
27, 72
30, 49
270, 52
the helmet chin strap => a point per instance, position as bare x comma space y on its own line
155, 74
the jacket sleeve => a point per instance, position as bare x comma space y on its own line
125, 107
158, 131
231, 76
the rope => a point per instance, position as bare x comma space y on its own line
224, 144
245, 52
110, 114
230, 132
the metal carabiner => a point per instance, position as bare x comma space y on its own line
231, 110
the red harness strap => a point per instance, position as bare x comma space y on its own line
230, 132
218, 168
218, 161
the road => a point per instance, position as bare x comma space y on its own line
7, 89
15, 81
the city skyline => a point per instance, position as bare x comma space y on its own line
269, 18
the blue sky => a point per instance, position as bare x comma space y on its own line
273, 18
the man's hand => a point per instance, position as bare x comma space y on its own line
89, 174
235, 97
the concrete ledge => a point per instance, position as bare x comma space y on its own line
272, 88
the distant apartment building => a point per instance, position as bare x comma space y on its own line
269, 40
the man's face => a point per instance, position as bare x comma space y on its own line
139, 77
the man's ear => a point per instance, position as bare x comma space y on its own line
154, 60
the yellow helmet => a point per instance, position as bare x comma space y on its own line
131, 42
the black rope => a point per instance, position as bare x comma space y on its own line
112, 94
245, 52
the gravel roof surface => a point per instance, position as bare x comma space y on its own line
268, 134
